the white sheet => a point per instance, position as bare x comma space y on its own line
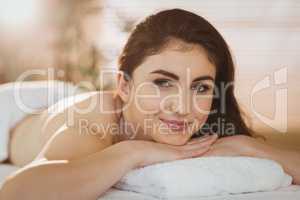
289, 193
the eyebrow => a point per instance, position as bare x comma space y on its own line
174, 76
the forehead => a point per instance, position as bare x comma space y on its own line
182, 62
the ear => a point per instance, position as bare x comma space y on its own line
123, 86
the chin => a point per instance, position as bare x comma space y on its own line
173, 139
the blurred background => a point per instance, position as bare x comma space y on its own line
77, 39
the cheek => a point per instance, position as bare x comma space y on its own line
147, 99
202, 106
201, 109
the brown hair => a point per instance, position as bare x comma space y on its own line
150, 36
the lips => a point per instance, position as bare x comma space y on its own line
175, 125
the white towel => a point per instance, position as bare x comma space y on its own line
205, 176
18, 99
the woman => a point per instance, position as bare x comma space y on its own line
175, 84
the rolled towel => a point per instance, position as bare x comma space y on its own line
205, 176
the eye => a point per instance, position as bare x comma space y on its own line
201, 88
162, 82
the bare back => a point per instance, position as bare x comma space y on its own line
72, 124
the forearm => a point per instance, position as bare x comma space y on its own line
85, 178
289, 159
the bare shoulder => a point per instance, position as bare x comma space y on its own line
80, 126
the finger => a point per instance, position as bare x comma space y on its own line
196, 145
195, 140
199, 145
202, 139
208, 153
218, 152
195, 153
209, 139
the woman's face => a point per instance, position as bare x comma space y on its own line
170, 95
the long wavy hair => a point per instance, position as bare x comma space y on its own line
150, 36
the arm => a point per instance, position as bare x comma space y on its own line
84, 178
89, 176
289, 159
240, 145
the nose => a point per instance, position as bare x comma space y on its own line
183, 104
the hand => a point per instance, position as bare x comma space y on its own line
242, 145
238, 145
151, 152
